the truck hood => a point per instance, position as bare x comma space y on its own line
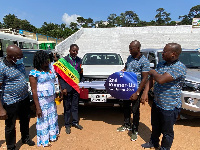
101, 70
193, 75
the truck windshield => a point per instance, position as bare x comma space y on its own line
191, 59
102, 59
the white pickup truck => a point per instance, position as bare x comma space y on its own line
96, 69
191, 90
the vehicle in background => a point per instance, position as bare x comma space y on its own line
96, 69
28, 55
190, 94
10, 39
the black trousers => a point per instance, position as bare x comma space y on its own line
162, 121
70, 103
20, 109
135, 108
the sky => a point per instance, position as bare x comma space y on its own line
65, 11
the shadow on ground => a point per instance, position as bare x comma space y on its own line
144, 132
2, 142
32, 133
189, 122
110, 115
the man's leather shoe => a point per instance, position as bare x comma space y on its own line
68, 130
78, 126
29, 142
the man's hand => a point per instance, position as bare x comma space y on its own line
134, 96
64, 92
144, 98
3, 114
152, 71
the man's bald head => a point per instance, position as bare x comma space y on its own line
136, 43
12, 50
134, 48
13, 53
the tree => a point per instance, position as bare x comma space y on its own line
67, 32
85, 23
112, 20
186, 20
63, 26
123, 20
81, 20
73, 26
172, 23
9, 20
1, 25
162, 17
100, 24
118, 21
90, 22
195, 12
25, 25
131, 18
127, 19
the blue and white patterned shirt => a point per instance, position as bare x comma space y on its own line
168, 95
137, 66
14, 85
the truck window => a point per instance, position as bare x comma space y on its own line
102, 59
151, 58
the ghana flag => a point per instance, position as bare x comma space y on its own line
68, 73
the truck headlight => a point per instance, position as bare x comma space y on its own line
192, 101
189, 100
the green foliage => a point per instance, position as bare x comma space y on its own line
11, 21
193, 13
162, 17
186, 20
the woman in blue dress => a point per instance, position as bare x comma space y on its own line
42, 85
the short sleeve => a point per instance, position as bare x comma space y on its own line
34, 73
1, 73
146, 65
127, 61
177, 71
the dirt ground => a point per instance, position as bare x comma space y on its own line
99, 132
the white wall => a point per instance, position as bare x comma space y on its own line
118, 39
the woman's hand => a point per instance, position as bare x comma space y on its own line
38, 112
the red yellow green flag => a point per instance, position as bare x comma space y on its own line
68, 73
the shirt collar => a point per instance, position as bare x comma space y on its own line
175, 61
137, 58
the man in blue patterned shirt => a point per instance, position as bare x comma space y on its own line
14, 97
169, 77
138, 64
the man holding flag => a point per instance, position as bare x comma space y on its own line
69, 75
